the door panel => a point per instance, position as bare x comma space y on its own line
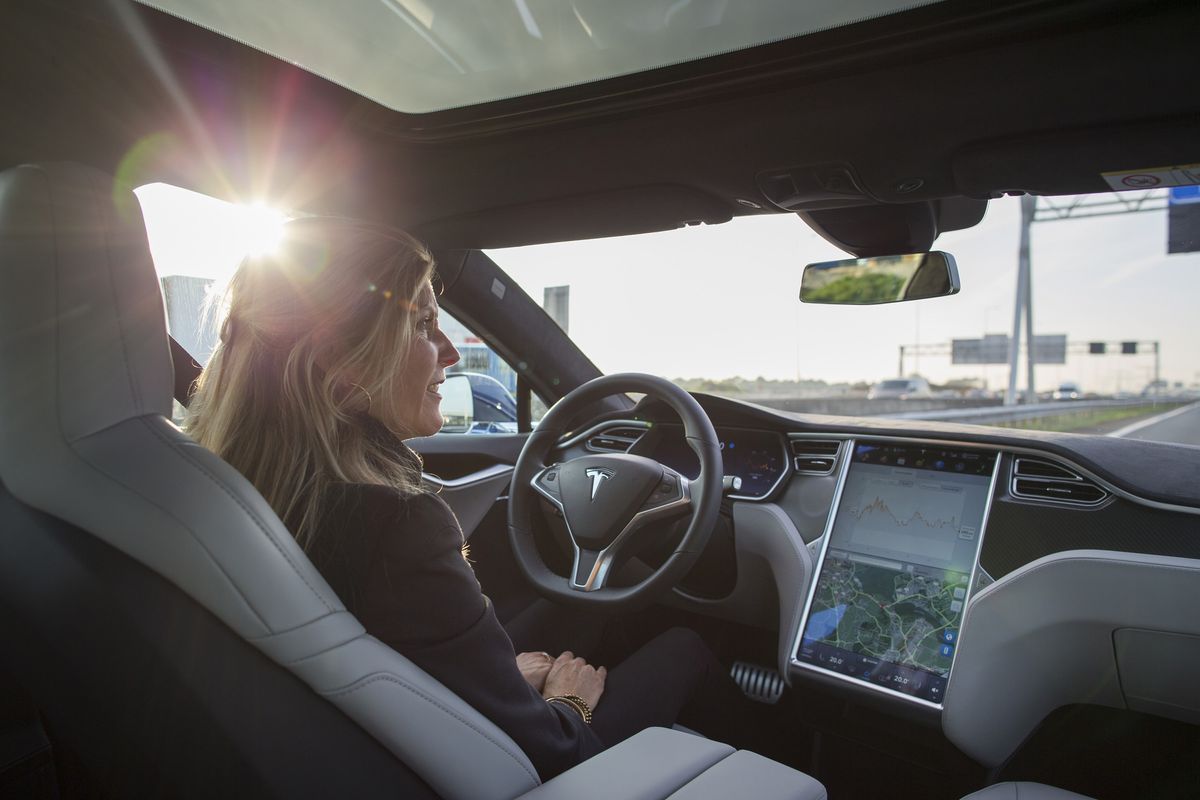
472, 495
469, 472
472, 474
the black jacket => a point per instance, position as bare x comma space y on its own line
398, 565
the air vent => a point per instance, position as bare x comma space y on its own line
1035, 479
1032, 468
815, 456
815, 447
617, 439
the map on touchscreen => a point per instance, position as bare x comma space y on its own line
895, 577
901, 617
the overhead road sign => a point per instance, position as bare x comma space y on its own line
1183, 220
993, 349
1153, 177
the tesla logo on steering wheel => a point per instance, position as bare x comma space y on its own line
598, 476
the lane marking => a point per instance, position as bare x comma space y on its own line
1157, 418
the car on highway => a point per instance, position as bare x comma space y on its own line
621, 197
1067, 390
900, 389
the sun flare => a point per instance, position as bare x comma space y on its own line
200, 236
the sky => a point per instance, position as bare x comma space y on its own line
721, 301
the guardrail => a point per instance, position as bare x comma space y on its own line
859, 406
975, 410
989, 414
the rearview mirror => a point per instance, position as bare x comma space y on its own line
886, 279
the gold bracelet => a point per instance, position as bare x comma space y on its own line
576, 702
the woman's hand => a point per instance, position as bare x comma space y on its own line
571, 675
534, 668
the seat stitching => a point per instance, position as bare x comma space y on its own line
106, 234
58, 393
265, 642
295, 662
220, 568
302, 625
188, 459
432, 701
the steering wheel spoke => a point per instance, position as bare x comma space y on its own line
603, 499
546, 483
673, 494
591, 568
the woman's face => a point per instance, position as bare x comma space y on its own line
413, 406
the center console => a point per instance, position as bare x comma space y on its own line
897, 567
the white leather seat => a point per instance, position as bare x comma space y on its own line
101, 497
85, 436
661, 764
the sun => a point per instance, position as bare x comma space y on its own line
262, 228
200, 236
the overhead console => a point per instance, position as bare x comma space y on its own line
896, 568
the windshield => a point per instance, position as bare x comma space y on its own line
716, 309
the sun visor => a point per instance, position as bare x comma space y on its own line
881, 230
622, 212
1075, 161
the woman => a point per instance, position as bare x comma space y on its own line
330, 356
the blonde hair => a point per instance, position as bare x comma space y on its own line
313, 333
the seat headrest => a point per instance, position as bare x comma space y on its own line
83, 342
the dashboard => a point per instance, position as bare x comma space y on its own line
759, 459
922, 568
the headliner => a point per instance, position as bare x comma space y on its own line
966, 99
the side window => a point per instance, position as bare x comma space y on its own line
479, 395
198, 242
190, 302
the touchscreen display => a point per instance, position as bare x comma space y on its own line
897, 567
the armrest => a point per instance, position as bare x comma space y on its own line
747, 774
661, 764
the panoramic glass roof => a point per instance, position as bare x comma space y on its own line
418, 56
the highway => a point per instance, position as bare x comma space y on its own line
1181, 426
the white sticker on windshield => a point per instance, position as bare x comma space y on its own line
1153, 178
498, 288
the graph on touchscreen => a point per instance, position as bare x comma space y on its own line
923, 519
917, 517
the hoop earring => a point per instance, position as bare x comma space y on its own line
364, 391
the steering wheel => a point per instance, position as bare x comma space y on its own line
605, 499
